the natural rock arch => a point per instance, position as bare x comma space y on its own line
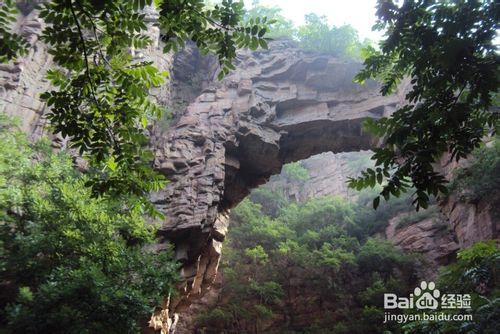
278, 106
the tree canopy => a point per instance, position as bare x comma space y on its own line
314, 35
315, 254
447, 51
71, 263
100, 96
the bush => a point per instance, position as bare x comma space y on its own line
316, 35
69, 262
382, 257
482, 177
476, 273
417, 216
271, 201
295, 172
281, 28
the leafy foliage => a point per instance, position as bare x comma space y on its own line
482, 177
413, 217
101, 97
12, 45
219, 29
305, 251
475, 272
279, 26
316, 35
70, 263
271, 201
295, 172
476, 269
375, 221
447, 50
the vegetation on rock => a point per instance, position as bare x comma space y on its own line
320, 267
314, 35
482, 178
476, 273
101, 95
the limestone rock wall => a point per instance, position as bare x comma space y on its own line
278, 106
22, 81
471, 221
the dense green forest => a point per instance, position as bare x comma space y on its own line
70, 262
318, 255
322, 266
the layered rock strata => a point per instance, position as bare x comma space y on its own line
278, 106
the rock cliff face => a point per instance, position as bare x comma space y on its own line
278, 106
22, 81
471, 221
327, 175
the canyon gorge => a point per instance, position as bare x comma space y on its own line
228, 137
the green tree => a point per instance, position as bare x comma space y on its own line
71, 263
475, 273
12, 45
279, 26
446, 49
382, 257
316, 35
100, 98
305, 255
271, 200
295, 172
482, 177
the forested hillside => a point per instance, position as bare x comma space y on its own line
322, 265
219, 166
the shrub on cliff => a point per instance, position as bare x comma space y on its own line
482, 177
475, 273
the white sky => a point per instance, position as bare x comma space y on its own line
358, 13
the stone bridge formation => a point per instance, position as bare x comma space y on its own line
278, 106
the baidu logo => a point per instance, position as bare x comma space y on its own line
430, 304
426, 297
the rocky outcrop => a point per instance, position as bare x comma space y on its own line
22, 81
327, 174
430, 237
472, 221
278, 106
